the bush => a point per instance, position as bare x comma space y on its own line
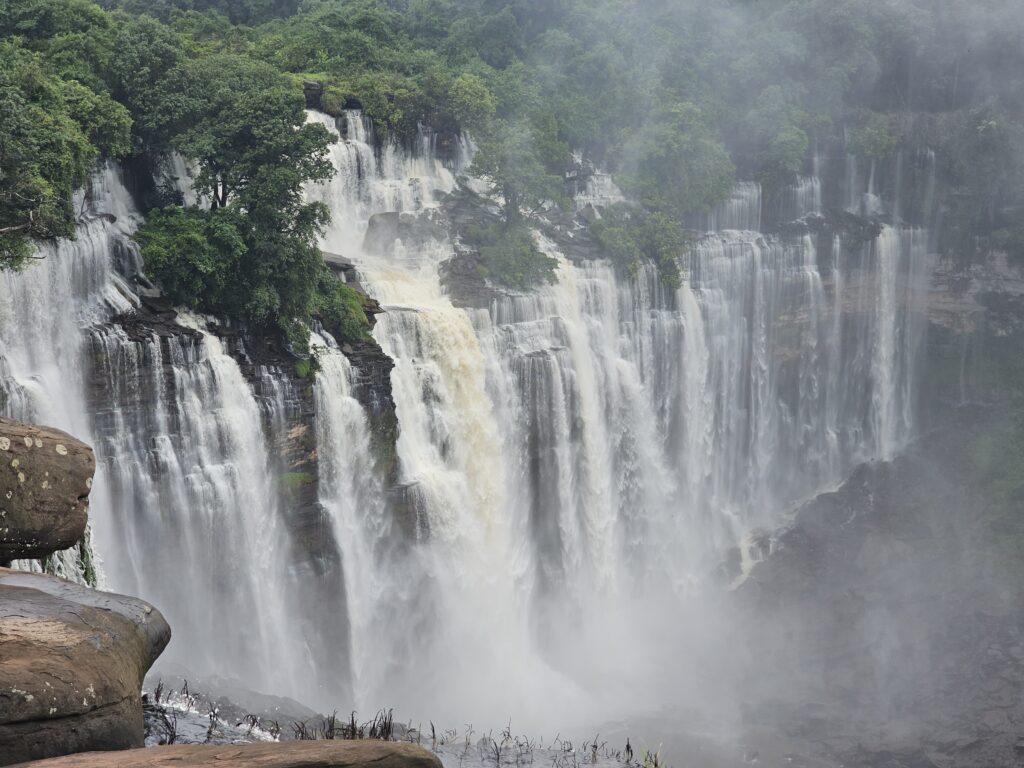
192, 253
873, 138
340, 309
510, 257
629, 235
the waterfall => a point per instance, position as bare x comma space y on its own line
185, 507
576, 466
741, 210
43, 351
599, 446
194, 522
800, 198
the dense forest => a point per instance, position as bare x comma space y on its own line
677, 98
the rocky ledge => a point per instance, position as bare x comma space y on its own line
300, 754
72, 661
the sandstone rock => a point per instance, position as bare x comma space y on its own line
45, 477
72, 662
295, 754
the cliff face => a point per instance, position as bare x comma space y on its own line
893, 602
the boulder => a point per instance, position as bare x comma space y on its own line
294, 754
72, 661
45, 477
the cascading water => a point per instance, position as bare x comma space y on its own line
741, 210
574, 464
43, 352
184, 508
597, 447
194, 519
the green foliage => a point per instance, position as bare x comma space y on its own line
510, 257
673, 97
51, 132
144, 52
629, 236
517, 157
783, 156
472, 103
243, 123
677, 163
340, 309
873, 138
193, 254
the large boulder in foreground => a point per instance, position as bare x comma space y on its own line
293, 754
72, 662
45, 478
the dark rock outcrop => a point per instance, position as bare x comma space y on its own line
45, 478
297, 754
463, 279
155, 317
381, 233
72, 661
891, 609
314, 93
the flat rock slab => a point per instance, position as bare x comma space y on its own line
292, 754
72, 661
45, 479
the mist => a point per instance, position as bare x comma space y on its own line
652, 369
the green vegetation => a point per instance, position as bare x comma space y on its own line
51, 130
510, 256
675, 97
340, 309
293, 482
629, 235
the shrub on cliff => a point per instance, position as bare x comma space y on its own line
629, 235
510, 257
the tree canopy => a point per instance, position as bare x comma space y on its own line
675, 97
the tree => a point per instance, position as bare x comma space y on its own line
510, 156
193, 254
145, 51
629, 235
676, 164
471, 102
244, 125
51, 132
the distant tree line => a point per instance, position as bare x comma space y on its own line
675, 97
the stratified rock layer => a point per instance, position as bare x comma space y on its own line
45, 477
72, 662
296, 754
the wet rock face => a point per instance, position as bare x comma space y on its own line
45, 478
72, 661
890, 608
297, 754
